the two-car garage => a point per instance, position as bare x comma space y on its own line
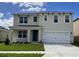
56, 37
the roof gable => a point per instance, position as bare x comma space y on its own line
76, 19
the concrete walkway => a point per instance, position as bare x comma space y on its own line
37, 52
61, 50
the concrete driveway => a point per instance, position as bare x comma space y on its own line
61, 50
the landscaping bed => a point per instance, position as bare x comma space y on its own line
22, 47
20, 55
76, 41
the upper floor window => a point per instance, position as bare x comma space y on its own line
55, 18
23, 19
45, 18
22, 34
35, 19
67, 18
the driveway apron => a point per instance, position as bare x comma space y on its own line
61, 50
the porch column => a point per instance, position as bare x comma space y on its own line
39, 35
10, 35
28, 40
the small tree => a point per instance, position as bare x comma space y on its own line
7, 41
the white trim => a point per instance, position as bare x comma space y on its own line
69, 19
57, 31
23, 20
22, 34
33, 19
46, 17
58, 19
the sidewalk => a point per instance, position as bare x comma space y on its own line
38, 52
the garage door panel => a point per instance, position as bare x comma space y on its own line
56, 37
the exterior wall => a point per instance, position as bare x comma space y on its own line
61, 26
3, 35
30, 20
76, 28
49, 25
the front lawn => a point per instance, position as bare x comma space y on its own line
22, 47
20, 55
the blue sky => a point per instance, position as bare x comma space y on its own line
7, 8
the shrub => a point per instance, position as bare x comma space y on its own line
1, 41
20, 42
7, 41
17, 42
25, 42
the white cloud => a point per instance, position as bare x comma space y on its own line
1, 14
36, 9
24, 10
30, 4
15, 3
43, 9
6, 22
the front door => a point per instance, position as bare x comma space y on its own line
35, 35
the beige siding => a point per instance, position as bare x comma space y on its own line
76, 28
30, 20
49, 25
3, 35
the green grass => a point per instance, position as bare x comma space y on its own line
22, 47
20, 55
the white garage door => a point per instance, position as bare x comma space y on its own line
56, 37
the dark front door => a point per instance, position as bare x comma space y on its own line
35, 35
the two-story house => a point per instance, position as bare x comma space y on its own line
47, 27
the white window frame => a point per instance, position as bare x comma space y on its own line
64, 19
22, 34
33, 19
45, 17
58, 18
23, 20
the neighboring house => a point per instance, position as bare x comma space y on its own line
76, 27
3, 33
47, 27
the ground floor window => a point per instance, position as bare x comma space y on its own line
22, 34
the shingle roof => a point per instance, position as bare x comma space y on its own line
3, 28
76, 19
43, 12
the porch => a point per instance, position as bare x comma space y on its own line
26, 34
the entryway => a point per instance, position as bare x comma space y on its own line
34, 35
